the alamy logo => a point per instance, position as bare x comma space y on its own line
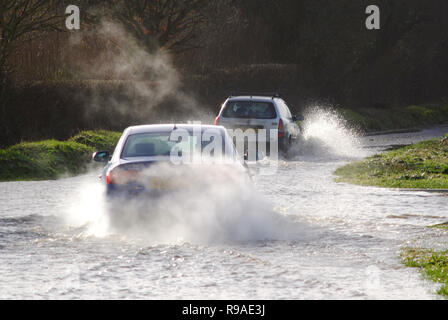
373, 20
73, 21
210, 146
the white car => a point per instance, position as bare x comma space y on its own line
261, 112
141, 148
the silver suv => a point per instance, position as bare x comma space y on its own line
261, 112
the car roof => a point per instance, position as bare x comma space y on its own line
168, 128
253, 98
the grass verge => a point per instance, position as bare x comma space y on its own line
422, 166
433, 264
51, 159
440, 226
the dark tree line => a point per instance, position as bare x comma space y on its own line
337, 58
18, 19
311, 50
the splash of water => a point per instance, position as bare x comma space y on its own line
212, 204
327, 135
86, 210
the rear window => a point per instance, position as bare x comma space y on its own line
150, 145
249, 110
161, 144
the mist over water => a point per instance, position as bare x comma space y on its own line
207, 205
143, 79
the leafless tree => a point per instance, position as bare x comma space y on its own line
19, 18
161, 24
23, 17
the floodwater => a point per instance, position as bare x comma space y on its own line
296, 234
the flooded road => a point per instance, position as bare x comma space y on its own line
307, 237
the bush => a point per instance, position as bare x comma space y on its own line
98, 140
51, 159
43, 160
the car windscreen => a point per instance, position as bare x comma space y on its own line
249, 110
162, 144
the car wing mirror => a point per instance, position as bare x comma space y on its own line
101, 156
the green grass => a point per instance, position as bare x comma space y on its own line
434, 265
440, 226
423, 166
51, 159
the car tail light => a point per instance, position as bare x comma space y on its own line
109, 178
217, 121
120, 176
281, 129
